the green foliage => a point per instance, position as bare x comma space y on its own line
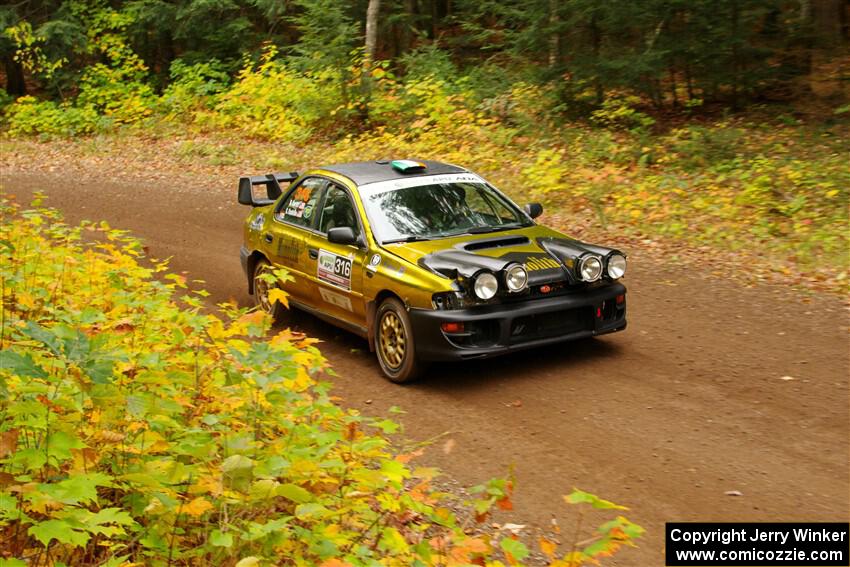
427, 62
30, 52
193, 86
112, 92
545, 175
620, 113
327, 34
672, 54
274, 101
29, 115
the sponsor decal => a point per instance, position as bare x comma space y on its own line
533, 264
336, 299
334, 269
302, 194
257, 223
374, 262
396, 267
370, 189
288, 249
295, 209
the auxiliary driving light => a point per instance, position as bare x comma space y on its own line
590, 268
486, 286
616, 266
516, 278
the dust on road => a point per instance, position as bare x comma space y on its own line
668, 417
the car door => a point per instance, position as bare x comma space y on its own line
286, 239
338, 268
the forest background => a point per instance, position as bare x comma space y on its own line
720, 123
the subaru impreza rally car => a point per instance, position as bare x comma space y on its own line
426, 260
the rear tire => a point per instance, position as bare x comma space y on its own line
261, 291
394, 343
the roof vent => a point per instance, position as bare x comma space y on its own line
407, 166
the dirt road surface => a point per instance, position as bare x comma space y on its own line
686, 405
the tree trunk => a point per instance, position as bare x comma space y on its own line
369, 57
15, 83
409, 21
596, 40
688, 81
372, 30
736, 62
806, 11
554, 34
826, 18
674, 87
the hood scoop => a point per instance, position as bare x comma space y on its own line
486, 243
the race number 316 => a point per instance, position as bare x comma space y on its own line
342, 267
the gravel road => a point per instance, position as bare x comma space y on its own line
675, 417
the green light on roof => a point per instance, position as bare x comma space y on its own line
407, 165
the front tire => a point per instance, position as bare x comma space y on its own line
394, 343
261, 291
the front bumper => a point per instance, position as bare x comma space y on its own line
498, 329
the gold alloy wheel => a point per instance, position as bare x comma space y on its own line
261, 291
392, 340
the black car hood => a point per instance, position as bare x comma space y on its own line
552, 258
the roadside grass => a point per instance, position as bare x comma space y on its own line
767, 201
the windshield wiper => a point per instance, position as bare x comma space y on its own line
406, 239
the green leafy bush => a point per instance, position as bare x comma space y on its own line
28, 116
115, 93
5, 99
275, 102
193, 86
620, 112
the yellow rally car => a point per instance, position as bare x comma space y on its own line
426, 260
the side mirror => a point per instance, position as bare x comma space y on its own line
342, 235
533, 210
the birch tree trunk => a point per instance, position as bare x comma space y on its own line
372, 30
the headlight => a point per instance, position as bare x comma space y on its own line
616, 266
516, 278
486, 286
590, 268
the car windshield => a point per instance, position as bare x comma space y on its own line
424, 208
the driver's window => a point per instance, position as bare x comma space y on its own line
300, 207
337, 211
482, 206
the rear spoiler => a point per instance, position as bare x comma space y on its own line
273, 183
